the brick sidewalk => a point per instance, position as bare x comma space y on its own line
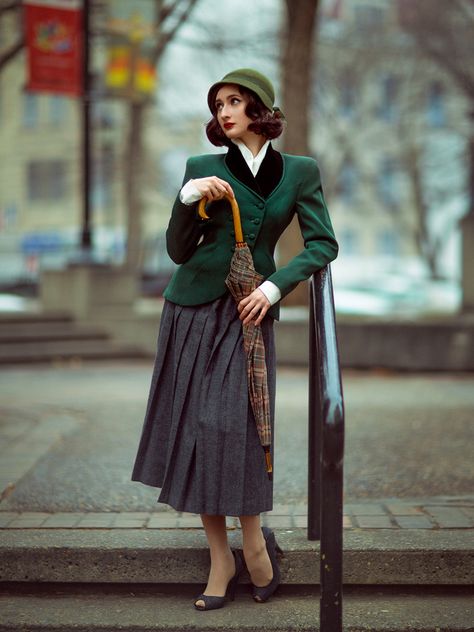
430, 513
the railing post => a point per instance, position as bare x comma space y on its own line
314, 428
330, 602
326, 449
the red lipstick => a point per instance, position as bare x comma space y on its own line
228, 125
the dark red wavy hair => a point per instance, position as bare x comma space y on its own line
264, 122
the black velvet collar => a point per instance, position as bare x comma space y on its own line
268, 176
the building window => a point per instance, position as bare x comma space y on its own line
57, 110
347, 181
388, 243
46, 180
436, 113
386, 183
388, 109
30, 109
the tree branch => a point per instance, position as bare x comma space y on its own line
166, 37
167, 10
9, 5
11, 52
449, 62
445, 37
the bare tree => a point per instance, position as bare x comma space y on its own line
169, 18
445, 35
361, 127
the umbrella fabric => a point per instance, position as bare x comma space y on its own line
241, 281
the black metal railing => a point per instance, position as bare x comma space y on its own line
326, 447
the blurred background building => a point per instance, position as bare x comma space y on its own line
388, 125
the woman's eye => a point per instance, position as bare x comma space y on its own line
235, 101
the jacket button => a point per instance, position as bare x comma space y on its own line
261, 205
251, 236
256, 220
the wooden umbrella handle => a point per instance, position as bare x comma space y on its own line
239, 237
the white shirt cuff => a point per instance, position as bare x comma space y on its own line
271, 291
189, 193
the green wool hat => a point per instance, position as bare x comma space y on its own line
248, 78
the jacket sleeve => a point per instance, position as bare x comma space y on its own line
320, 245
185, 226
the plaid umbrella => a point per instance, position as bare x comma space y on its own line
241, 281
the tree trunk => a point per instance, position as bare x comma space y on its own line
133, 161
423, 242
297, 85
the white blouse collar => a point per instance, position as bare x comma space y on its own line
253, 162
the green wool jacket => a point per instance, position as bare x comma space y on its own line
205, 262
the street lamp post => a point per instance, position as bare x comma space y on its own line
86, 233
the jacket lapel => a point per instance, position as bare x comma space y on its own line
270, 172
268, 176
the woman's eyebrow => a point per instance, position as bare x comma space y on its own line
229, 96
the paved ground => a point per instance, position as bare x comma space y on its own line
429, 513
69, 434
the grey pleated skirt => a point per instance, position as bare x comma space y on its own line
199, 441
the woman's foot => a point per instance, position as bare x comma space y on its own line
258, 563
222, 571
262, 593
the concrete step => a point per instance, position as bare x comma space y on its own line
37, 337
15, 333
35, 317
52, 350
87, 609
137, 556
418, 344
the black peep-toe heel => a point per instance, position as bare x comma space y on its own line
211, 601
262, 593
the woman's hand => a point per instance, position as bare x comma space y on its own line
213, 188
253, 307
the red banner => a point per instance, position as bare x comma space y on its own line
54, 46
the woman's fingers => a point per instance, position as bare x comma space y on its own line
213, 188
253, 307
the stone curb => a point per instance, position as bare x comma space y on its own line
130, 612
371, 556
430, 513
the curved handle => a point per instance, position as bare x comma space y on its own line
239, 237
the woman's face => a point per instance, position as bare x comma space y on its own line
230, 108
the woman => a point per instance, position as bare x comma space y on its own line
199, 440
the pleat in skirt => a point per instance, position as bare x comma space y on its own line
199, 442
